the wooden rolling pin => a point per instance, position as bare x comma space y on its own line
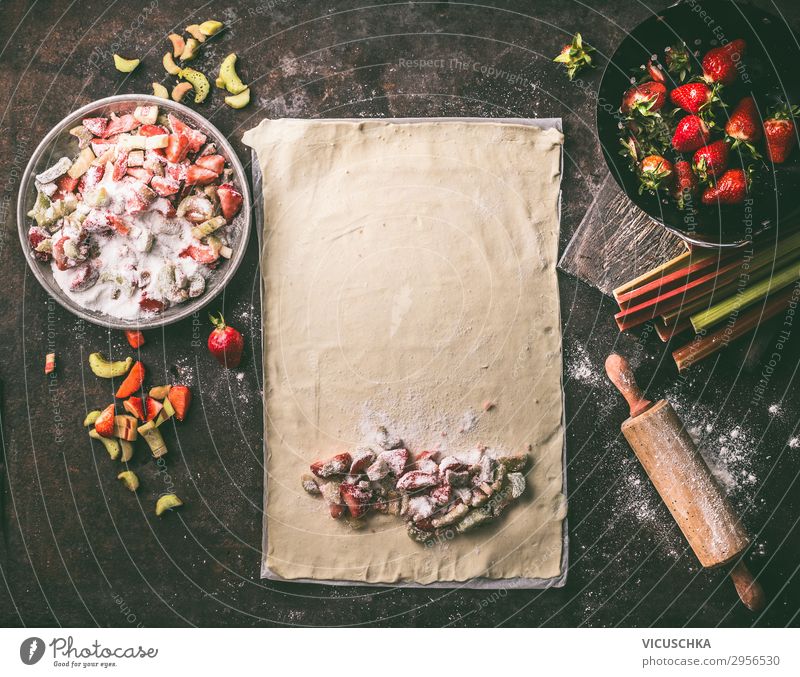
685, 483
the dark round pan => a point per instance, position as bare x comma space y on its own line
769, 71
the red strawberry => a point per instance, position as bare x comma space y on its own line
655, 73
177, 147
686, 185
731, 189
140, 173
719, 64
104, 424
744, 125
97, 126
164, 185
36, 236
644, 99
226, 344
180, 397
655, 172
135, 338
779, 133
124, 123
215, 163
711, 160
133, 381
118, 223
200, 254
149, 305
152, 130
690, 134
199, 176
66, 184
195, 136
230, 201
135, 407
692, 97
336, 465
152, 408
120, 165
91, 178
355, 498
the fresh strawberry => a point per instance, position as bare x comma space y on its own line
690, 134
362, 459
355, 498
36, 236
177, 147
164, 185
124, 123
575, 56
336, 465
744, 125
104, 424
678, 60
711, 160
225, 343
152, 130
719, 64
655, 73
230, 201
180, 397
215, 163
195, 136
97, 126
66, 184
153, 408
133, 381
686, 185
644, 99
396, 459
140, 173
118, 223
135, 338
205, 255
655, 172
779, 133
120, 165
199, 176
692, 97
91, 178
177, 170
731, 189
135, 407
442, 494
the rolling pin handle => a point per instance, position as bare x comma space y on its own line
621, 375
749, 589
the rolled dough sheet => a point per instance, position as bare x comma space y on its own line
409, 276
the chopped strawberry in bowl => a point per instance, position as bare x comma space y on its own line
134, 212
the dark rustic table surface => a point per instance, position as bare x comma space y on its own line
78, 550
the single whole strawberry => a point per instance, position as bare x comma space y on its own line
692, 97
780, 134
225, 343
690, 134
731, 189
711, 160
646, 98
655, 172
719, 64
575, 56
686, 185
744, 125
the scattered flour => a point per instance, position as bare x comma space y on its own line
794, 443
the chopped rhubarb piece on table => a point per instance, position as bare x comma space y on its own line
104, 424
230, 201
180, 397
133, 381
336, 465
135, 338
49, 363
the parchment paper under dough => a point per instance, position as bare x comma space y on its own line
408, 277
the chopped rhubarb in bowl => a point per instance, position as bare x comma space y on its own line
134, 212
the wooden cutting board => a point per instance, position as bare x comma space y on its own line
616, 242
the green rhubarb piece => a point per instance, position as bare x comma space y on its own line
82, 163
124, 65
198, 81
152, 435
160, 91
219, 82
167, 502
196, 33
127, 450
129, 479
52, 173
91, 417
190, 50
741, 299
209, 28
111, 445
169, 64
166, 413
474, 518
208, 227
240, 100
105, 368
516, 484
41, 211
228, 75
